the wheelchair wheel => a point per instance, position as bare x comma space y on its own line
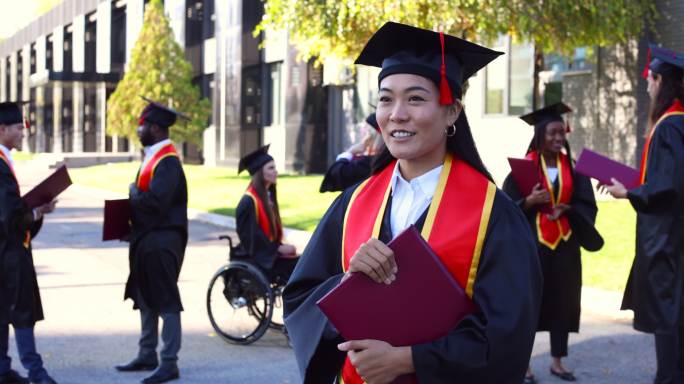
240, 303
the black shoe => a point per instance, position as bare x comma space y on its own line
45, 380
162, 375
565, 376
138, 364
13, 377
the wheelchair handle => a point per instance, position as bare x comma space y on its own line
227, 237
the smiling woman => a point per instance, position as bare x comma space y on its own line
429, 172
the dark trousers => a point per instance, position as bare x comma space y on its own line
26, 346
559, 343
171, 336
670, 357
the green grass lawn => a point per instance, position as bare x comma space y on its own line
218, 190
21, 156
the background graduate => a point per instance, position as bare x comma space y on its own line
561, 233
159, 233
258, 218
20, 303
440, 184
354, 164
656, 281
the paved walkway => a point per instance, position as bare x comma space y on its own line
88, 329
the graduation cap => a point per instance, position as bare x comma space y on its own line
157, 113
661, 60
373, 121
547, 115
11, 113
253, 161
446, 60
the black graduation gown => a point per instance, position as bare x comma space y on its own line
492, 346
159, 234
20, 303
345, 173
252, 238
655, 284
562, 267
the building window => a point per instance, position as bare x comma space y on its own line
509, 79
274, 87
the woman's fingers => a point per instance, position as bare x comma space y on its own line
376, 260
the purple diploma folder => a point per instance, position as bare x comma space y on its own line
49, 188
602, 168
526, 175
117, 219
424, 302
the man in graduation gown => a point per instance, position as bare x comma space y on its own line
159, 234
20, 303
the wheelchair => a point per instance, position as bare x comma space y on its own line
242, 301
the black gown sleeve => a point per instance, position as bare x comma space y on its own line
512, 191
582, 214
319, 270
159, 197
252, 238
493, 345
345, 173
15, 216
665, 174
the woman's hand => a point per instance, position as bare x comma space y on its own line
41, 210
558, 211
287, 251
538, 196
376, 260
618, 190
378, 362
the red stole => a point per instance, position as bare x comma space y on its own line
675, 109
550, 232
147, 173
455, 226
27, 236
262, 217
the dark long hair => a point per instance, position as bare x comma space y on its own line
272, 210
537, 142
671, 88
461, 144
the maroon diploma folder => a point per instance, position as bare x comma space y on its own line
602, 168
117, 219
526, 175
49, 188
424, 302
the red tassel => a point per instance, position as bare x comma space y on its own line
27, 124
644, 74
445, 96
567, 128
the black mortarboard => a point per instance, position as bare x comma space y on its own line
11, 113
373, 121
547, 114
157, 113
253, 161
661, 60
446, 60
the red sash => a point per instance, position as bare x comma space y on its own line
550, 232
675, 109
146, 174
262, 217
462, 192
27, 236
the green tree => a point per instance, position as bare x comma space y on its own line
159, 71
340, 28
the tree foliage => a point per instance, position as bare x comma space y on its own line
159, 71
340, 28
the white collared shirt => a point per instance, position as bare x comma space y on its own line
8, 154
152, 150
411, 198
552, 173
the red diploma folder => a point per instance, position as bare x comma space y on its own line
49, 188
602, 168
526, 175
422, 304
117, 219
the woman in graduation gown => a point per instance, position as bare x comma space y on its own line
656, 281
258, 217
561, 231
430, 175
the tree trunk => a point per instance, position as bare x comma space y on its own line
537, 98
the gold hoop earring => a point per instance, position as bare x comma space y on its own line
450, 132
